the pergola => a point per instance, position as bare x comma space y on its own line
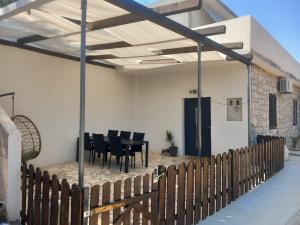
114, 33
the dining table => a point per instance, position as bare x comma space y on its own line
127, 143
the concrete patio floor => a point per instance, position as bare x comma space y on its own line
276, 202
97, 174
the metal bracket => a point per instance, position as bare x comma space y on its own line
86, 214
158, 173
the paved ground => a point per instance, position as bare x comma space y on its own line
276, 202
96, 174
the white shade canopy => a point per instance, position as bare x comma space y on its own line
55, 26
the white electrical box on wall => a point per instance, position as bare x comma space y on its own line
234, 109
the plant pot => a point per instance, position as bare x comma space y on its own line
173, 151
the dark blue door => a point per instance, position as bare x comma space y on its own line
190, 126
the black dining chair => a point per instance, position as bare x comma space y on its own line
117, 151
138, 148
99, 147
125, 135
88, 145
112, 133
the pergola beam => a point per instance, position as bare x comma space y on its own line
112, 45
30, 39
178, 7
161, 20
170, 51
52, 53
192, 49
210, 31
166, 10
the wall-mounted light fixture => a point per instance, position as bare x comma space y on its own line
193, 91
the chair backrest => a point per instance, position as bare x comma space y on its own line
87, 141
99, 143
138, 136
125, 135
116, 146
112, 133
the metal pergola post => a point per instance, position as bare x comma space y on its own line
249, 86
82, 93
199, 119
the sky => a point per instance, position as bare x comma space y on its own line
280, 18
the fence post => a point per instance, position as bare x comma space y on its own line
85, 205
233, 175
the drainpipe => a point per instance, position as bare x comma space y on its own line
249, 87
199, 124
82, 93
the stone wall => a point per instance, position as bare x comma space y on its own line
264, 83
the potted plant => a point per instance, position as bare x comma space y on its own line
170, 139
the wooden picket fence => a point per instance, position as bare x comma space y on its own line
192, 192
47, 201
184, 194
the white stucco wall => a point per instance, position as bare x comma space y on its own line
47, 91
151, 101
266, 45
10, 164
161, 97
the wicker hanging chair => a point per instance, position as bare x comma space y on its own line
31, 139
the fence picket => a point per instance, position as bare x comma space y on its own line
198, 190
257, 148
154, 202
30, 195
45, 200
65, 203
54, 201
37, 197
106, 200
242, 171
205, 188
76, 205
117, 197
224, 179
181, 180
235, 174
94, 202
162, 197
146, 183
218, 182
190, 193
246, 157
212, 184
127, 194
261, 152
137, 191
230, 175
171, 185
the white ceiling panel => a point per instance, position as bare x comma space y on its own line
41, 23
142, 32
